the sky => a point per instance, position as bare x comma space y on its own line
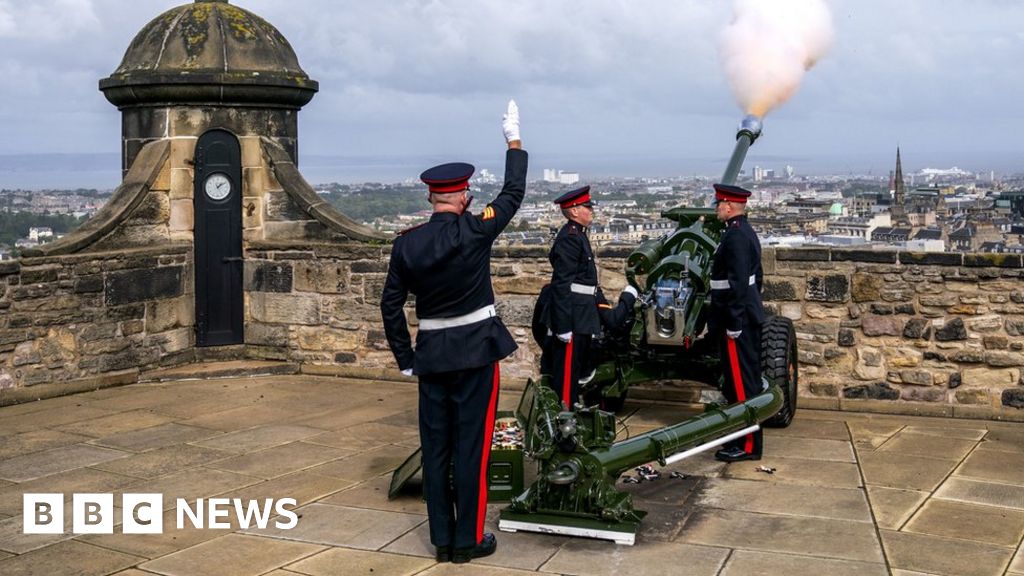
628, 86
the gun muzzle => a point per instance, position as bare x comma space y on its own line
748, 132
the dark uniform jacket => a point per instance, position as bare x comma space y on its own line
572, 261
614, 319
737, 260
446, 263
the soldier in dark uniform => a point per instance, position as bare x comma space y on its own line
446, 264
614, 321
573, 314
736, 311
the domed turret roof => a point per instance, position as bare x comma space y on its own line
209, 52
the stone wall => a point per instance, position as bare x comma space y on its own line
81, 321
937, 334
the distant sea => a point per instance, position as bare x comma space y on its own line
103, 171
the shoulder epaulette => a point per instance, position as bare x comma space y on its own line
488, 213
407, 230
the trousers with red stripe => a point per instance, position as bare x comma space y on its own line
568, 365
456, 413
741, 362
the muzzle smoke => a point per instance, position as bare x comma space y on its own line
769, 46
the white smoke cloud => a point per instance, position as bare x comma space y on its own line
769, 46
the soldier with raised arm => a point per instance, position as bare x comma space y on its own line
446, 264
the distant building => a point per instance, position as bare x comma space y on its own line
38, 234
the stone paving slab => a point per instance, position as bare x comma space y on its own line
366, 436
51, 417
116, 423
161, 436
943, 556
259, 438
192, 484
744, 563
588, 557
892, 507
872, 434
36, 441
13, 540
988, 524
303, 486
163, 461
234, 419
809, 448
67, 558
472, 569
47, 462
928, 446
784, 499
281, 460
338, 418
347, 561
523, 550
896, 470
374, 493
1006, 440
365, 465
826, 538
798, 471
152, 546
820, 429
1017, 565
995, 466
984, 493
343, 526
975, 434
232, 555
79, 480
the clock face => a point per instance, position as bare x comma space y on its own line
217, 186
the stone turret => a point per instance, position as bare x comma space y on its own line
208, 64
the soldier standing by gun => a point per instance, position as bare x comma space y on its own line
573, 316
446, 264
736, 311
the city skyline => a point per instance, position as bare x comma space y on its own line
637, 89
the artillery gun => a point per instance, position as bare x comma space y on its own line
578, 459
672, 275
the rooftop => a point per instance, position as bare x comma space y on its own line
850, 493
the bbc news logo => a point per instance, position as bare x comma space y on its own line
144, 513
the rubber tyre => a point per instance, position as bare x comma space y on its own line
779, 366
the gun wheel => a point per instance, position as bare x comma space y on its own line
779, 366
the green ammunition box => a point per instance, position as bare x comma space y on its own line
505, 472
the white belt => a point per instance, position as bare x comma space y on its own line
464, 320
583, 289
724, 284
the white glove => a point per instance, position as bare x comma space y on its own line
734, 334
510, 122
630, 290
407, 372
565, 337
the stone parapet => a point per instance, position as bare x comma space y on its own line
895, 332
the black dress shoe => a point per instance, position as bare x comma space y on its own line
735, 454
486, 547
444, 554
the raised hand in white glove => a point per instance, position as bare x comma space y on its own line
565, 337
734, 334
510, 122
630, 290
407, 372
